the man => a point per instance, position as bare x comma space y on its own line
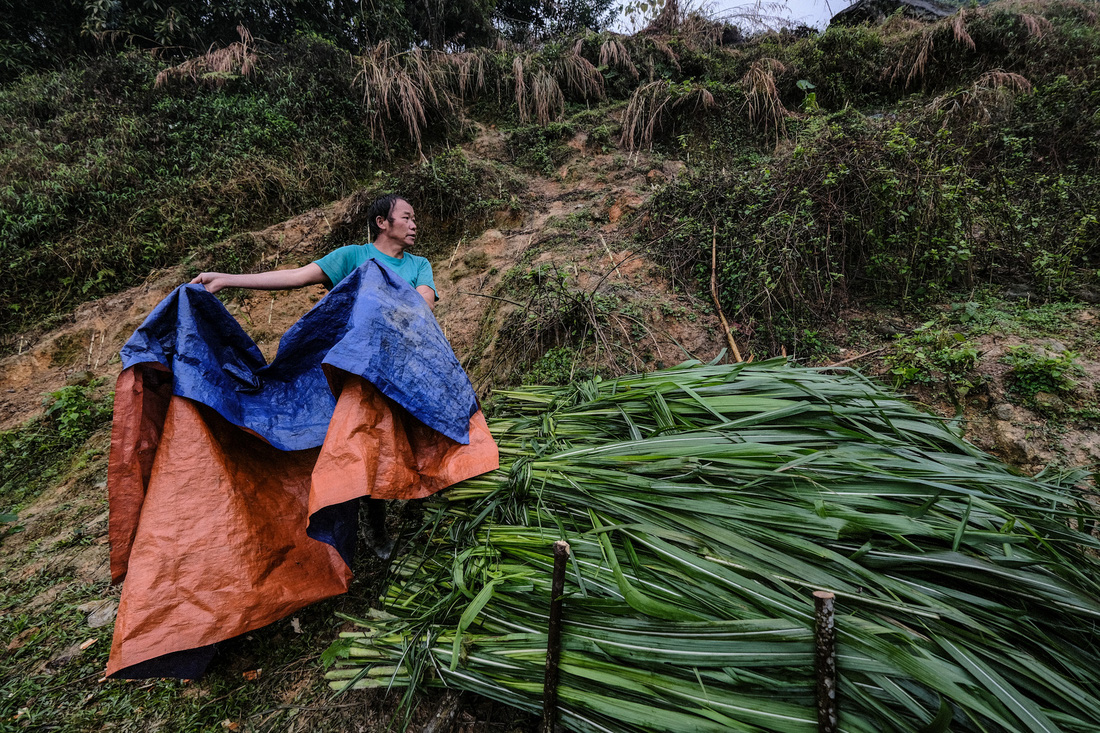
393, 228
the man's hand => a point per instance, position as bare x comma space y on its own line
311, 274
212, 281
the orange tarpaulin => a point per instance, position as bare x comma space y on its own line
209, 521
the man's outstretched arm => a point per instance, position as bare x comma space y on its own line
311, 274
428, 294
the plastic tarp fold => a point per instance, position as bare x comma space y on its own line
233, 483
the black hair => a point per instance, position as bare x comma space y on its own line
383, 207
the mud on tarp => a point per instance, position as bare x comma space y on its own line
225, 471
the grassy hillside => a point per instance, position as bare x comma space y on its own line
893, 162
920, 201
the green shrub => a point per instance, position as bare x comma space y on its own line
844, 64
899, 210
1035, 371
540, 148
455, 197
35, 454
934, 356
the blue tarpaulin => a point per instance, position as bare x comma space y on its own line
372, 324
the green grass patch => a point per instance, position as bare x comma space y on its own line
34, 455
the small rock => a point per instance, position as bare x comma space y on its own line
1011, 440
67, 655
100, 613
1004, 411
885, 328
1018, 291
1049, 402
1056, 347
1088, 295
1026, 450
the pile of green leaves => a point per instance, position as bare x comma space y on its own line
703, 505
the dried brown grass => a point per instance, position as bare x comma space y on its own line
537, 93
990, 98
698, 32
914, 59
469, 71
765, 108
577, 76
651, 109
217, 66
615, 55
548, 102
540, 85
1036, 25
664, 47
666, 21
404, 86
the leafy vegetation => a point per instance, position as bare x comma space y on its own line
703, 505
1035, 371
988, 173
39, 33
540, 148
456, 197
934, 356
34, 455
107, 177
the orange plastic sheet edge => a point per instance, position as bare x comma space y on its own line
208, 521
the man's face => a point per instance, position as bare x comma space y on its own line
401, 226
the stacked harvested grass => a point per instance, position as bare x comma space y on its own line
703, 505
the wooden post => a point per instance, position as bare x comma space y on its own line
553, 640
714, 294
825, 661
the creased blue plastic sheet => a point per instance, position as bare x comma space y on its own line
372, 324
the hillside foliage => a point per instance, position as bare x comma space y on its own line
894, 162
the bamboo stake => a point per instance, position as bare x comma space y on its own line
553, 640
825, 661
714, 293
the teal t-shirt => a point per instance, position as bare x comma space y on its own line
339, 263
